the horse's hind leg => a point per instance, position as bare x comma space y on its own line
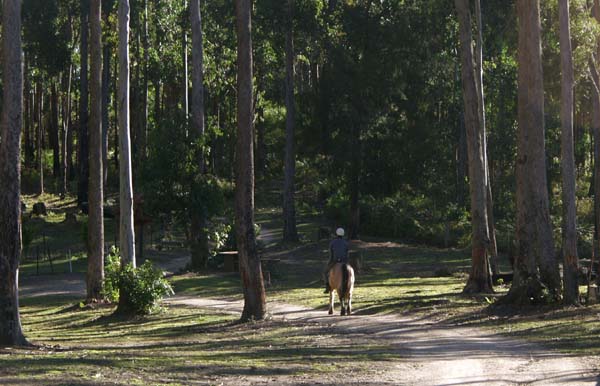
330, 302
343, 307
349, 304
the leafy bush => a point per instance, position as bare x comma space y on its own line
220, 235
110, 289
144, 286
406, 216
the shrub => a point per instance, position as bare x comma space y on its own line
410, 217
144, 286
110, 289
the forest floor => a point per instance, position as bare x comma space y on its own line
411, 326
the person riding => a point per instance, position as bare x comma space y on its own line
338, 253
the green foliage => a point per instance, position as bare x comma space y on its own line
220, 235
173, 184
377, 88
144, 286
112, 268
414, 218
46, 33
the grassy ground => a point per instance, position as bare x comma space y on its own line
179, 346
64, 241
398, 278
184, 345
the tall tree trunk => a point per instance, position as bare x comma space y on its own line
595, 185
11, 333
185, 83
126, 227
40, 137
70, 167
492, 245
66, 116
354, 183
27, 117
570, 264
95, 273
116, 110
479, 277
255, 306
461, 163
136, 103
105, 104
260, 141
290, 233
535, 247
144, 120
66, 128
54, 131
199, 236
82, 187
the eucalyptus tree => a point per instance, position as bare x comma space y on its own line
535, 266
250, 268
492, 247
198, 231
11, 332
479, 277
569, 242
95, 240
126, 221
83, 146
595, 124
290, 232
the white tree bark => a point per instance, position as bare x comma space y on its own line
492, 246
126, 224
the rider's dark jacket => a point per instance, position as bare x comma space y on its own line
338, 251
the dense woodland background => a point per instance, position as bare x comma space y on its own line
368, 92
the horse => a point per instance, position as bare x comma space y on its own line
341, 280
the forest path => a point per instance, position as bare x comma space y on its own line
418, 350
423, 352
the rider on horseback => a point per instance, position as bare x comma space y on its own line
338, 253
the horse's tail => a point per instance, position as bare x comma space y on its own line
344, 289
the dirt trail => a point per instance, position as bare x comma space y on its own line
422, 352
428, 353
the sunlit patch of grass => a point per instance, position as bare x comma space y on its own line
219, 285
182, 343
